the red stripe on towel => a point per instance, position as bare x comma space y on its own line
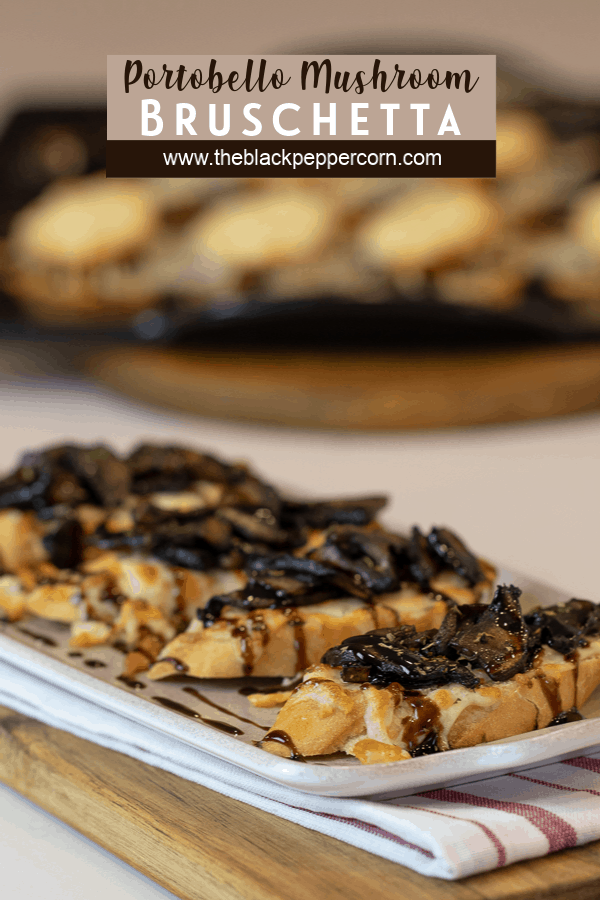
584, 762
367, 826
559, 787
380, 832
558, 832
500, 848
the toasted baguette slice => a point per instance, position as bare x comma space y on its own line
326, 715
488, 673
282, 642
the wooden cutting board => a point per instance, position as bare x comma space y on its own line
203, 846
368, 392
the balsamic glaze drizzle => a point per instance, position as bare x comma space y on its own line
288, 686
48, 642
570, 715
223, 709
190, 713
282, 737
131, 682
177, 664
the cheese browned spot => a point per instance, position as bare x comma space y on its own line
57, 602
139, 578
89, 634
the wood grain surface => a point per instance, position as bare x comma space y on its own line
359, 391
203, 846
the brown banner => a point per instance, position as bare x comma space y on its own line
306, 159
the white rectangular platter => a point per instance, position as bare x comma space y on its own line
36, 661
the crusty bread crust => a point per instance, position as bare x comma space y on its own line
326, 715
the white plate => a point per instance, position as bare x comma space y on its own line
26, 662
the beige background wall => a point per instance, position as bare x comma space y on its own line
64, 43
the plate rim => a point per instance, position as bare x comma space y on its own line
407, 777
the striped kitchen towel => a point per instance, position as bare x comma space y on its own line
448, 832
493, 823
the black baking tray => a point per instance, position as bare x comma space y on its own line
328, 322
